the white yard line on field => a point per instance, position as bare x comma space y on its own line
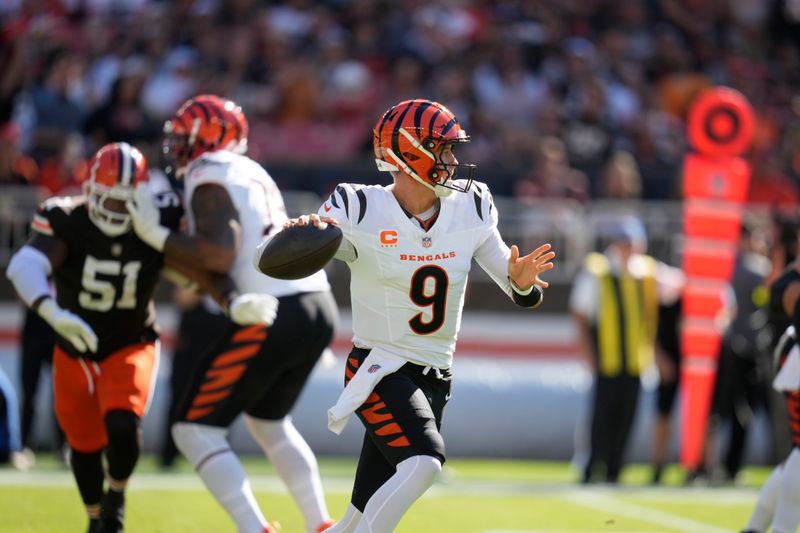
604, 499
608, 504
343, 484
562, 531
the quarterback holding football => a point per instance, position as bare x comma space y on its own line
409, 247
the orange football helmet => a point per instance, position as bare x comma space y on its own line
204, 123
242, 132
114, 172
411, 136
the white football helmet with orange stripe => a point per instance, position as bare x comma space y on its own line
114, 172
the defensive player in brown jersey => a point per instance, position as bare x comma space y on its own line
106, 355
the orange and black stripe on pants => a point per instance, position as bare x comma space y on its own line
225, 370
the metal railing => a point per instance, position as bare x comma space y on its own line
17, 206
573, 229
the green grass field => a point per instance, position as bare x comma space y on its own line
474, 496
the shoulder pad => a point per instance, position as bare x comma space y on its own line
650, 264
54, 212
206, 169
352, 199
62, 203
482, 198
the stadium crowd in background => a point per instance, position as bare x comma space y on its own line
611, 80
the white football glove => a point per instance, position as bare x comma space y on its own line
69, 325
145, 218
253, 308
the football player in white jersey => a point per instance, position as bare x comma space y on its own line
232, 204
779, 499
409, 247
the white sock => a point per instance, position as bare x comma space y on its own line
764, 510
787, 510
349, 521
390, 502
295, 463
210, 454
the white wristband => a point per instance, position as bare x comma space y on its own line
518, 290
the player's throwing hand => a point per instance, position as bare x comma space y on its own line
314, 219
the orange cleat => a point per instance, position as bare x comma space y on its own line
325, 525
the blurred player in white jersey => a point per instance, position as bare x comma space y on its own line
779, 499
409, 247
232, 204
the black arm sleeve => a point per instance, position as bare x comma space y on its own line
532, 299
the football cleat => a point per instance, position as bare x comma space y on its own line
325, 525
95, 526
113, 511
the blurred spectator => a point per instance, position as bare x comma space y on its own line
15, 167
620, 179
668, 361
57, 102
587, 131
507, 91
171, 84
10, 446
552, 176
745, 363
614, 303
64, 172
770, 185
600, 76
122, 118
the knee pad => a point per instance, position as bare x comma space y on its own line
198, 442
425, 468
121, 425
123, 446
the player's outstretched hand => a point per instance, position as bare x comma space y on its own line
69, 325
145, 218
253, 308
524, 271
314, 219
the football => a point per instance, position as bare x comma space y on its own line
298, 251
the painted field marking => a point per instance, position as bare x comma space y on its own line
608, 504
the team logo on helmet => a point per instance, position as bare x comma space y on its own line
114, 172
411, 136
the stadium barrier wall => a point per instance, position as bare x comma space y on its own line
519, 390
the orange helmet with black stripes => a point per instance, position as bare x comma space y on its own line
204, 123
411, 136
242, 132
114, 172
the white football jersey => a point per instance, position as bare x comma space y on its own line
261, 214
407, 284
